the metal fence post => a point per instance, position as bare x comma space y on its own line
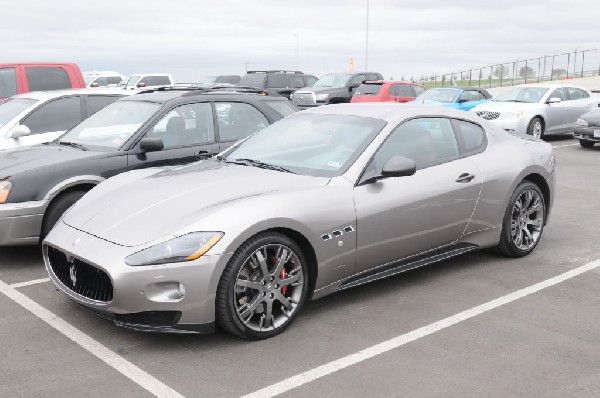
539, 68
470, 76
552, 68
526, 71
582, 62
568, 63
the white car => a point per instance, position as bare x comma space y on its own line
42, 116
102, 79
149, 80
538, 109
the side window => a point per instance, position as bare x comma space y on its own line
559, 93
97, 102
471, 137
284, 108
161, 81
418, 90
148, 81
427, 141
46, 78
575, 93
403, 90
58, 115
468, 96
310, 81
358, 79
238, 120
8, 82
373, 76
297, 81
186, 125
277, 80
114, 80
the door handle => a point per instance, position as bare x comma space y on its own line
465, 177
203, 154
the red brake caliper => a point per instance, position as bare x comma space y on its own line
282, 275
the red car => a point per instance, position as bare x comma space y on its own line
17, 78
387, 91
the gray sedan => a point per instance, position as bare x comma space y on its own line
538, 109
322, 201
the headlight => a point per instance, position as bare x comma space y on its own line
513, 115
5, 187
581, 122
322, 97
184, 248
291, 96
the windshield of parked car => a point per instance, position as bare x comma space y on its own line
447, 95
522, 94
132, 81
10, 108
111, 126
310, 144
333, 80
368, 89
89, 79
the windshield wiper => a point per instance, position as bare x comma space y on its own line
72, 144
258, 163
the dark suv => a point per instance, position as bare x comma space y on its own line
334, 88
282, 82
162, 127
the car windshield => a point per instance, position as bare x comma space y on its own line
522, 94
132, 81
12, 107
447, 95
88, 79
112, 126
368, 89
310, 144
333, 80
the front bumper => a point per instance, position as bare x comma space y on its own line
586, 133
21, 223
142, 296
513, 125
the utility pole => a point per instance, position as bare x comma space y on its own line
367, 41
246, 63
297, 51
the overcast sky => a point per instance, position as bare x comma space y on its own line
192, 39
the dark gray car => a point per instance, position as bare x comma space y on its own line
334, 88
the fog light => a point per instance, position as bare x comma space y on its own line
165, 291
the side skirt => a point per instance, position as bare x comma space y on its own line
406, 265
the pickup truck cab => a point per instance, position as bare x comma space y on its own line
18, 78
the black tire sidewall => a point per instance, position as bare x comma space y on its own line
227, 283
57, 208
586, 144
513, 250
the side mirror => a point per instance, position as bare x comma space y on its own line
94, 84
399, 166
151, 144
352, 87
20, 130
462, 101
554, 100
141, 85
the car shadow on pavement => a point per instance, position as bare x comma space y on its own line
19, 256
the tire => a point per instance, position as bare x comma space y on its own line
57, 208
514, 241
586, 144
243, 310
536, 128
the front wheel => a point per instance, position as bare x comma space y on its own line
523, 222
57, 208
536, 128
586, 144
263, 287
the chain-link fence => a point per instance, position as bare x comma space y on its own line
570, 65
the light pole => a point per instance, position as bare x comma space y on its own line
297, 50
367, 41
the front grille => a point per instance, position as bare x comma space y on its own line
488, 115
80, 277
304, 98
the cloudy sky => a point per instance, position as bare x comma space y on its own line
192, 39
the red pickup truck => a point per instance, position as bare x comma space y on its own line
17, 78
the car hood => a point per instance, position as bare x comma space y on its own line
138, 207
18, 160
494, 106
430, 102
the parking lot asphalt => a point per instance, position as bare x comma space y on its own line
544, 344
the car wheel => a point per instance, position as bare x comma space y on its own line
263, 287
536, 128
523, 222
586, 144
57, 208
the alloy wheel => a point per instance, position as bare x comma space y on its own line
527, 219
537, 129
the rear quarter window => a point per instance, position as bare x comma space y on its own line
46, 78
471, 137
8, 82
284, 108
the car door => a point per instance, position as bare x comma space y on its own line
48, 121
579, 103
188, 134
556, 113
237, 120
404, 216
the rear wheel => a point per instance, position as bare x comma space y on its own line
57, 208
523, 222
536, 128
263, 287
586, 144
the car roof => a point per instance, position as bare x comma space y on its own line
551, 85
389, 82
44, 95
167, 95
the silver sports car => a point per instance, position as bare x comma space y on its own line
324, 200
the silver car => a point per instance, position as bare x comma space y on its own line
538, 109
321, 201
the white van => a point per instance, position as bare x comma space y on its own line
149, 80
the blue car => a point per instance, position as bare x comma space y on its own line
463, 98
